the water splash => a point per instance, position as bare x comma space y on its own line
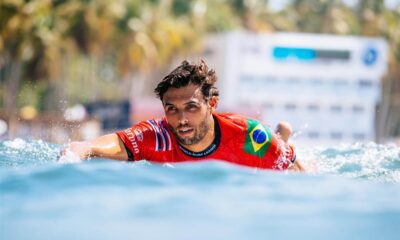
300, 131
370, 161
23, 153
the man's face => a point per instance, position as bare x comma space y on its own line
188, 113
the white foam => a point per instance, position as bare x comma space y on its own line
69, 157
17, 143
168, 165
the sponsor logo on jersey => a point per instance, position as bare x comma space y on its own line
131, 138
258, 138
139, 134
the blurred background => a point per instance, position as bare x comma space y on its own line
75, 69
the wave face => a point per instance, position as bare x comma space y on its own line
353, 192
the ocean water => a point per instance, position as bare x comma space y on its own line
351, 192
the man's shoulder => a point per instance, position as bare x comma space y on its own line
159, 125
232, 119
154, 123
154, 132
231, 116
238, 120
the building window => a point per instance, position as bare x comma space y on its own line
290, 106
246, 78
270, 79
268, 105
249, 49
365, 83
313, 134
358, 109
336, 108
317, 82
358, 136
313, 108
292, 81
336, 135
340, 82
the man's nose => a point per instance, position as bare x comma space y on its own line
182, 118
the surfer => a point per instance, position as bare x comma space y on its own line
192, 131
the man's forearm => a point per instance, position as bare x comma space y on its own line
297, 166
107, 146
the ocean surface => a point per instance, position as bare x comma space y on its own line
351, 192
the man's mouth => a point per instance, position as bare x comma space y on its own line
185, 131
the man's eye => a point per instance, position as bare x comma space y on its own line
171, 109
192, 107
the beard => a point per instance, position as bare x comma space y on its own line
199, 132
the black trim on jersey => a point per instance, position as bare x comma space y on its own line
130, 154
128, 151
294, 158
210, 149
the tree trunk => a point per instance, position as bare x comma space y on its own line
393, 130
12, 73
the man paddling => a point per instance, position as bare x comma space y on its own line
192, 131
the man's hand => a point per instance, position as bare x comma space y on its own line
75, 152
80, 149
297, 167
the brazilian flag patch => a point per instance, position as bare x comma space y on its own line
258, 138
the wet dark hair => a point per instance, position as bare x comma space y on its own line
190, 73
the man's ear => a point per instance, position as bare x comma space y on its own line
213, 103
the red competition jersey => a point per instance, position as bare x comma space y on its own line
238, 140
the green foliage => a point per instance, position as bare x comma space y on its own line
32, 94
50, 41
181, 7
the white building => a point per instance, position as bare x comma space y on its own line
326, 86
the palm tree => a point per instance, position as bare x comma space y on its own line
26, 39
